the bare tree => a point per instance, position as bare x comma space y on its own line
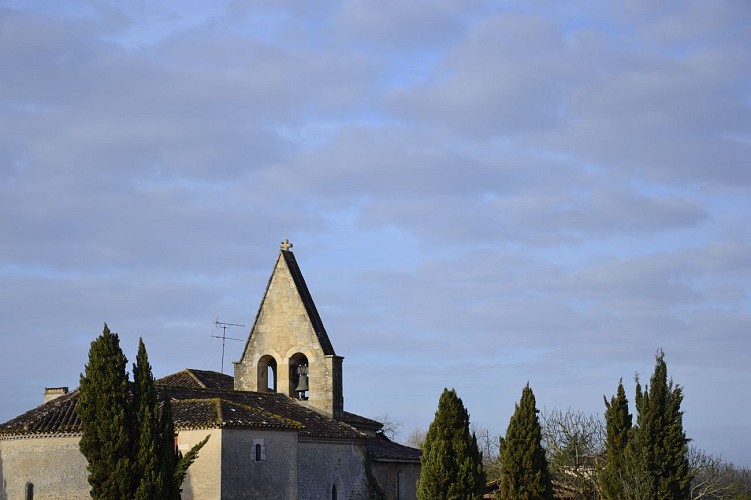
416, 438
490, 447
715, 479
391, 428
574, 444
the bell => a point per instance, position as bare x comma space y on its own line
302, 385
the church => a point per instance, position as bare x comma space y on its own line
278, 428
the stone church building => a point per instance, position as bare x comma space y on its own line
278, 428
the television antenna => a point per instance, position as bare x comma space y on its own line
220, 324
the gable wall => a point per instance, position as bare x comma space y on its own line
274, 476
55, 465
320, 465
283, 328
397, 480
203, 480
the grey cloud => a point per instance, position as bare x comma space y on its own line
400, 25
667, 120
532, 192
507, 77
538, 217
659, 288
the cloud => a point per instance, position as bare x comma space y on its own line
479, 196
398, 25
505, 78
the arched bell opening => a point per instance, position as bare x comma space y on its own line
266, 374
299, 382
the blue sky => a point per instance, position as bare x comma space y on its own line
480, 194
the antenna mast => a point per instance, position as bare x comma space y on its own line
224, 326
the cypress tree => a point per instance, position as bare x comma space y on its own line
170, 455
106, 416
524, 468
149, 471
451, 461
660, 443
127, 439
618, 423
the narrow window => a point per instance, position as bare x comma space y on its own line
29, 491
258, 450
333, 492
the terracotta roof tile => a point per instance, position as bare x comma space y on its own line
360, 422
382, 448
216, 412
196, 405
190, 377
58, 416
314, 424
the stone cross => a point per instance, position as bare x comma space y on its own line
286, 245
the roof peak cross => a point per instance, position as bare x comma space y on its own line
286, 245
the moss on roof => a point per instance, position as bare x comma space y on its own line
200, 399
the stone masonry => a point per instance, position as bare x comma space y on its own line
287, 329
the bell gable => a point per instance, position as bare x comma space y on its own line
288, 350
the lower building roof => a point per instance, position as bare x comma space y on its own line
200, 400
203, 399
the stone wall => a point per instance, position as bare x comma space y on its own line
226, 467
398, 480
55, 466
204, 476
258, 464
323, 465
284, 330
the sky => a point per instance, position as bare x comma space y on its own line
480, 194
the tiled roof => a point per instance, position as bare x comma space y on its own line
56, 417
382, 448
196, 407
361, 423
216, 412
190, 377
200, 402
313, 424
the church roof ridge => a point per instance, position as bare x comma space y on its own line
193, 377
